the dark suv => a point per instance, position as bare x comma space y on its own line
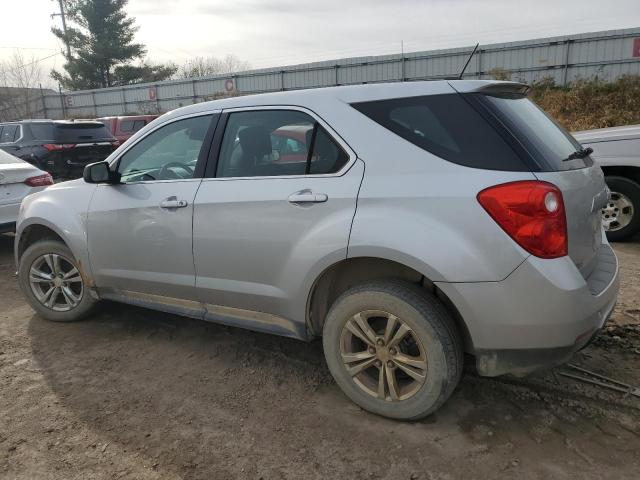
60, 147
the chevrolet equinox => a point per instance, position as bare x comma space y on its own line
406, 224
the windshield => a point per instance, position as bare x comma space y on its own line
546, 141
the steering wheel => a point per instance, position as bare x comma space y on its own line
166, 173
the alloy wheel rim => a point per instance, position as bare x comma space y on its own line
617, 213
56, 282
383, 355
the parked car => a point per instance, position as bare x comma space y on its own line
617, 151
429, 219
60, 147
17, 180
124, 127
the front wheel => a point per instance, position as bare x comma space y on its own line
621, 215
393, 349
52, 282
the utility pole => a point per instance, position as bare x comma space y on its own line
64, 27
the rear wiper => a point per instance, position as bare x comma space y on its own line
583, 152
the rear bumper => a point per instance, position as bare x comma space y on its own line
537, 317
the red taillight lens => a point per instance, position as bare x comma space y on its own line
58, 146
532, 213
39, 181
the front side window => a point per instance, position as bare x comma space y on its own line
169, 153
268, 143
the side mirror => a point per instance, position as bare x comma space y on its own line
99, 172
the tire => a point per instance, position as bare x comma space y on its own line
33, 257
630, 190
431, 328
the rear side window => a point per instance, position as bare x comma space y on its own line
138, 124
9, 133
42, 131
447, 126
80, 132
126, 126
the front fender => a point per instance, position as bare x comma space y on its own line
61, 208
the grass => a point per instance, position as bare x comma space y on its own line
587, 104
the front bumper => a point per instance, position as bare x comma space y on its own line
537, 317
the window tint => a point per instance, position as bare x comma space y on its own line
447, 126
9, 133
76, 132
169, 153
138, 124
268, 143
544, 139
327, 156
42, 131
126, 126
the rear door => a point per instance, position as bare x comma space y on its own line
140, 231
261, 225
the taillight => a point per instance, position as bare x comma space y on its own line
39, 181
59, 146
532, 213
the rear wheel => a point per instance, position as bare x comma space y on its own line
621, 215
393, 349
52, 282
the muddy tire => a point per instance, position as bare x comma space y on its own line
52, 283
625, 205
393, 349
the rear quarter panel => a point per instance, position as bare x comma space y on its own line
420, 210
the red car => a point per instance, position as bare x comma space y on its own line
124, 127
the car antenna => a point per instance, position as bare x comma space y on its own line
468, 60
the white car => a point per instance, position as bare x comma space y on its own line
617, 151
17, 180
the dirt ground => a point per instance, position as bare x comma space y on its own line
136, 394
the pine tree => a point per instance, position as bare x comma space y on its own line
101, 37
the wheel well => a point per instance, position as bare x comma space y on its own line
624, 171
341, 276
34, 233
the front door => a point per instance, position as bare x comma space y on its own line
280, 203
140, 231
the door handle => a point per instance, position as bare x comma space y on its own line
173, 202
307, 196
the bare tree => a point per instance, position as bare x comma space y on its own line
20, 79
204, 66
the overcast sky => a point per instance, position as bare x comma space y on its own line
281, 32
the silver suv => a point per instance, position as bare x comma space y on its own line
404, 223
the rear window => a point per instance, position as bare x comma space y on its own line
70, 132
546, 141
447, 126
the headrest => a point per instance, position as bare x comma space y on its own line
255, 141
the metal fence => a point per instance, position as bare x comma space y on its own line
607, 55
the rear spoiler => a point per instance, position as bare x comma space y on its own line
489, 87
